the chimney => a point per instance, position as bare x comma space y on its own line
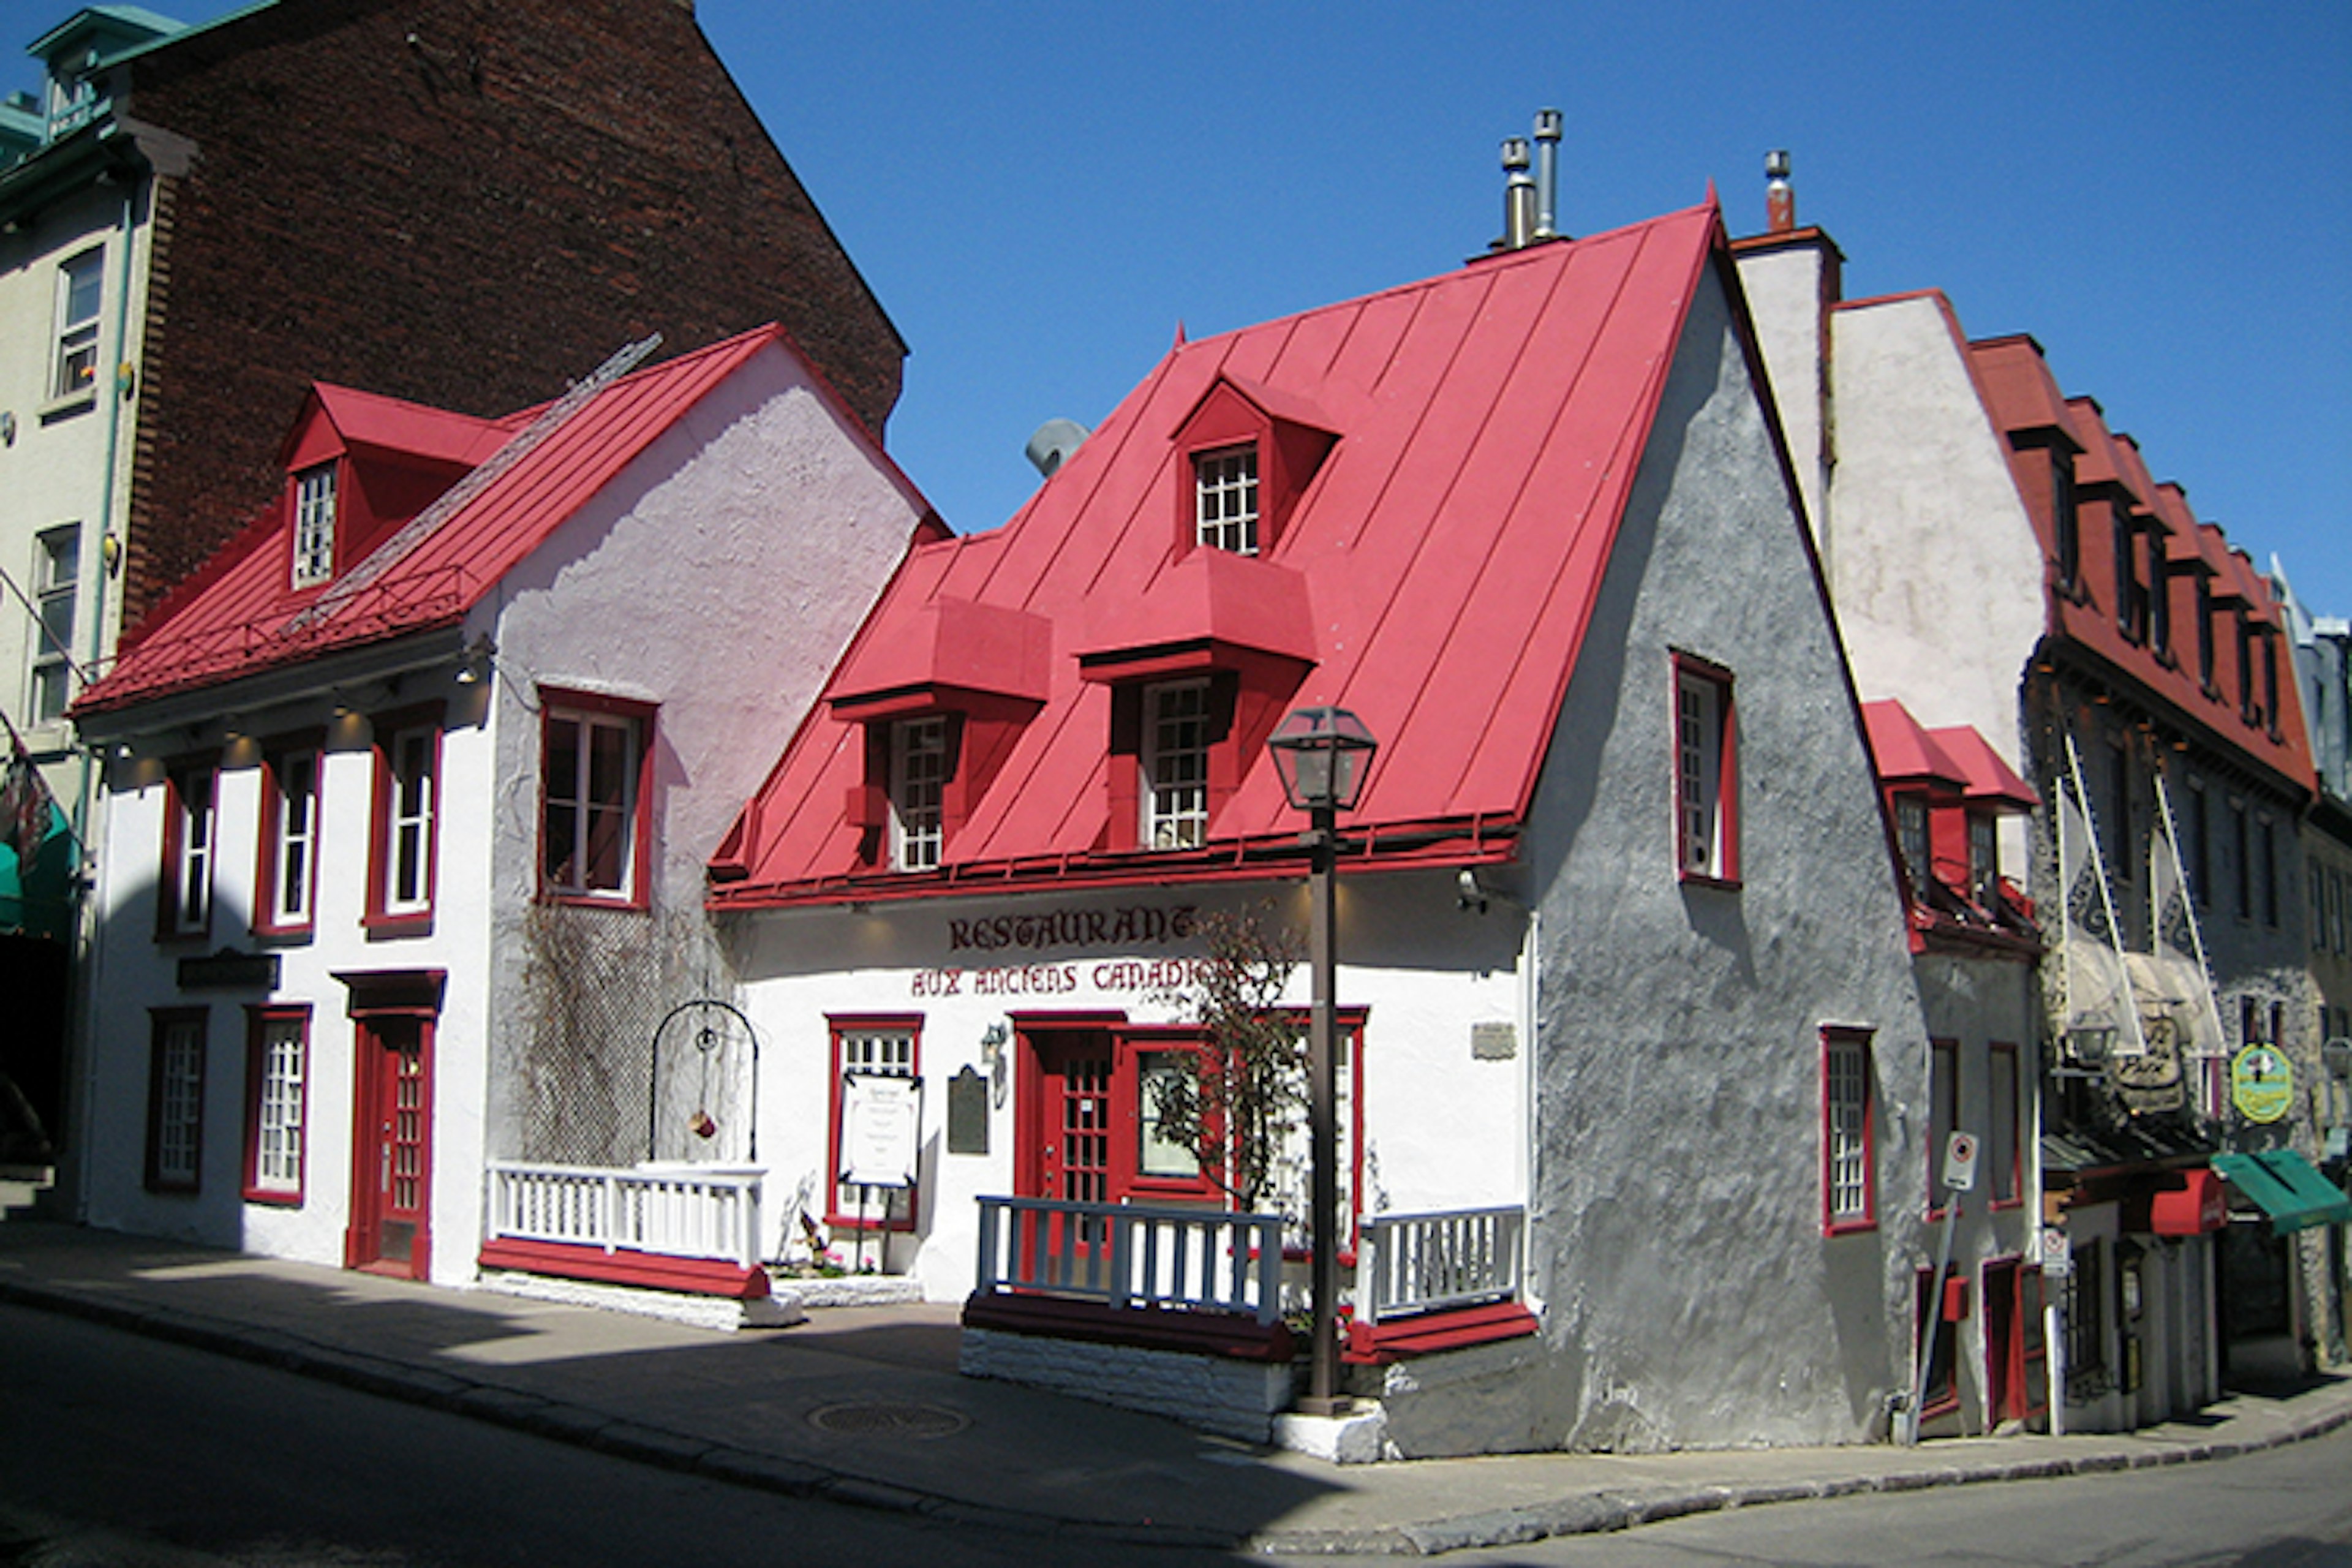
1518, 197
1547, 174
1780, 199
1055, 439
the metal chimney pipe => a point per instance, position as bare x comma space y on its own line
1518, 195
1547, 174
1779, 198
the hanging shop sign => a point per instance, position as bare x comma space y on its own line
2262, 1083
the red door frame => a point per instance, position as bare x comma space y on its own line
389, 1010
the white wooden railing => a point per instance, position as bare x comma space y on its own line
672, 1210
1408, 1263
1132, 1255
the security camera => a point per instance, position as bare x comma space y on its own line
1468, 894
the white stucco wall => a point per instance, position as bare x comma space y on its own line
1935, 570
1441, 1129
1690, 1296
718, 576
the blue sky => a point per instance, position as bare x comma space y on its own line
1040, 193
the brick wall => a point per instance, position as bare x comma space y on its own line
466, 203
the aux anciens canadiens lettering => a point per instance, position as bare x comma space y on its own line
1134, 926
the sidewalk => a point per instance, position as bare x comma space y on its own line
864, 1405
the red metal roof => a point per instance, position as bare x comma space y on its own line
240, 614
1988, 778
1903, 752
2020, 395
1437, 574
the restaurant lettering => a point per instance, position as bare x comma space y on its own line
1136, 925
1145, 975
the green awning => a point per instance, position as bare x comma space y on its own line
2286, 1186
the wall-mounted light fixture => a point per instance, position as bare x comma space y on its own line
475, 662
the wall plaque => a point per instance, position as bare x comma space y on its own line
967, 1112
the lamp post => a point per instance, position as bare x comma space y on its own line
1322, 755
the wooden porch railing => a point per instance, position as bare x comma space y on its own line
1130, 1256
673, 1211
1410, 1263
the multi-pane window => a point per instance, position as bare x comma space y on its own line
871, 1048
314, 525
1911, 837
918, 769
80, 286
1705, 779
176, 1101
407, 764
2205, 631
1849, 1187
188, 852
590, 769
1176, 765
1225, 486
2159, 595
276, 1067
290, 838
56, 570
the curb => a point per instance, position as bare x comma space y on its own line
1585, 1513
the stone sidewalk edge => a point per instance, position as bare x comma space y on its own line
1584, 1513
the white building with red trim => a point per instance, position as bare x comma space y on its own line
1622, 960
411, 789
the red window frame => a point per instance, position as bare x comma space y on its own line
163, 1027
1837, 1039
637, 892
383, 917
269, 872
2005, 1146
900, 1213
1943, 1115
1706, 766
174, 921
257, 1027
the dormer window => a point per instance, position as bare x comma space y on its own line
314, 525
1175, 761
918, 773
1984, 858
1912, 837
1224, 485
2066, 518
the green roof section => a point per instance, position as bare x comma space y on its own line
2287, 1187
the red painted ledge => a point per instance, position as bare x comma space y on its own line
1228, 1334
621, 1266
1377, 1344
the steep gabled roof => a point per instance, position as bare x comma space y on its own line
240, 614
1443, 557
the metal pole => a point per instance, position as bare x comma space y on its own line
1935, 1322
1322, 1124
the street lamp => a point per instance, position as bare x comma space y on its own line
1322, 755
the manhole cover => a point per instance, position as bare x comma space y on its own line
886, 1420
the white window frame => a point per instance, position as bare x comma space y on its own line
280, 1058
175, 1114
1705, 784
1984, 858
918, 769
411, 765
74, 374
1914, 836
1849, 1179
193, 799
1175, 766
590, 812
315, 492
293, 837
1225, 499
56, 583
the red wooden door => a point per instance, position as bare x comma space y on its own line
392, 1142
1074, 1118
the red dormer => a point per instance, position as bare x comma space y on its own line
1245, 455
941, 700
1946, 791
358, 466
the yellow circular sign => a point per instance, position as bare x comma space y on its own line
2262, 1083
